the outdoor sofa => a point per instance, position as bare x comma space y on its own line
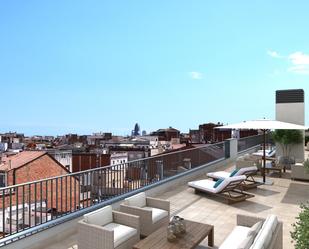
298, 172
153, 212
108, 229
255, 233
229, 188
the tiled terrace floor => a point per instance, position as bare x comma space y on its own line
282, 198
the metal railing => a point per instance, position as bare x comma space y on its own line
246, 143
33, 204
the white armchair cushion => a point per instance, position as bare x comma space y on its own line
100, 217
157, 214
122, 233
235, 238
138, 200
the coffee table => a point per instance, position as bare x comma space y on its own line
196, 232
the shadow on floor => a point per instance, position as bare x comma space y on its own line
297, 193
206, 247
263, 192
251, 206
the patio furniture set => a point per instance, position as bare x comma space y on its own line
147, 218
139, 217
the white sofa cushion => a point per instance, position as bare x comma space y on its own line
255, 229
157, 214
138, 200
246, 243
121, 232
100, 217
235, 238
262, 240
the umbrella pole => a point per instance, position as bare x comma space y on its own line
264, 155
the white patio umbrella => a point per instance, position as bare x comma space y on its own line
263, 125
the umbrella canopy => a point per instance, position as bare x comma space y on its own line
263, 124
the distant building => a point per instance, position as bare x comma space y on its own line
132, 153
208, 133
195, 137
136, 130
144, 133
97, 139
62, 156
84, 161
40, 200
166, 134
119, 158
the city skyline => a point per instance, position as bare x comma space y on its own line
85, 68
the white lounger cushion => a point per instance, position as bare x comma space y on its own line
235, 238
138, 200
157, 214
219, 174
208, 185
100, 217
121, 232
224, 174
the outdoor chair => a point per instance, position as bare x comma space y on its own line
275, 164
248, 172
229, 188
153, 212
108, 229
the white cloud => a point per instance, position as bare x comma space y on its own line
274, 54
196, 75
299, 58
300, 63
299, 69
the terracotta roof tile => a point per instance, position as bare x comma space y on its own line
20, 159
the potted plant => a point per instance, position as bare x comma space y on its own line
300, 234
285, 139
306, 165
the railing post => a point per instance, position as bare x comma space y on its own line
187, 163
231, 149
159, 164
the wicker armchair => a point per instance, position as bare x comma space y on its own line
154, 213
108, 229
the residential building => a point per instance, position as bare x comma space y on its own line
62, 156
84, 161
119, 158
166, 134
31, 166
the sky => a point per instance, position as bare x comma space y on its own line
88, 66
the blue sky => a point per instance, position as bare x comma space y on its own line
86, 66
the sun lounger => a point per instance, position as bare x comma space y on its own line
229, 188
248, 172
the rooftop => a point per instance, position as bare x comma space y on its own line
20, 159
282, 198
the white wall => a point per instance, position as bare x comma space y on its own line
292, 113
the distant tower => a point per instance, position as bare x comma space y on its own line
136, 131
144, 133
